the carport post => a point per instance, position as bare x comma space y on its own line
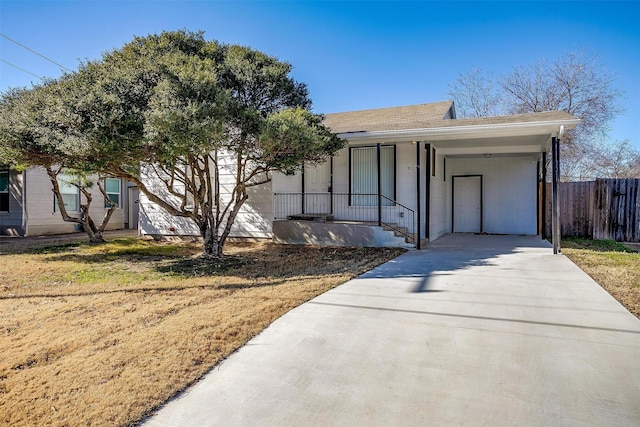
543, 229
418, 213
427, 192
379, 186
555, 199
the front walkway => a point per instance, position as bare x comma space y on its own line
474, 330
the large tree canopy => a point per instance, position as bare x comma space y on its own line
577, 83
37, 130
169, 111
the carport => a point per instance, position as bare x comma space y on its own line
494, 166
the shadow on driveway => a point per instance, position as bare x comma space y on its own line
474, 330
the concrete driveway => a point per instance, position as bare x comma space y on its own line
475, 330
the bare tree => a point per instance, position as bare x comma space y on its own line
577, 83
609, 160
476, 95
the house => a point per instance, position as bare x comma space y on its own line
408, 175
28, 206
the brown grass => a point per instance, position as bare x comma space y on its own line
615, 267
101, 335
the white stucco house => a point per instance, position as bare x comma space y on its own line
28, 206
408, 175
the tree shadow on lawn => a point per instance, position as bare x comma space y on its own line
250, 261
150, 289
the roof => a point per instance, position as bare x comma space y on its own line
425, 116
395, 118
515, 118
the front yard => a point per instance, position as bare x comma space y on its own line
101, 335
614, 266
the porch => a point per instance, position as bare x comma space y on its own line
343, 219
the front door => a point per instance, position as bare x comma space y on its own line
317, 180
134, 206
467, 204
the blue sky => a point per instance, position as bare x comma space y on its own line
353, 55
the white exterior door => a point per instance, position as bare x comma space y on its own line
467, 204
317, 180
134, 206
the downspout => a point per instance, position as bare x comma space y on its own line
331, 185
302, 198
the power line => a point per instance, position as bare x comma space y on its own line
22, 69
33, 51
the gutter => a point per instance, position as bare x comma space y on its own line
457, 132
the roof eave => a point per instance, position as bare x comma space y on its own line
551, 127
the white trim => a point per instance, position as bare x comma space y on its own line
468, 131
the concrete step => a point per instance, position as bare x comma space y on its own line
400, 232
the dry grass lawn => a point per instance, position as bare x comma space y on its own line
615, 267
101, 335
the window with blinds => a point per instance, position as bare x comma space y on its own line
112, 188
70, 194
364, 175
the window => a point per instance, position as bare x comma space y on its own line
112, 187
70, 196
4, 191
364, 175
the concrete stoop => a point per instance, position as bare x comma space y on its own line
337, 233
400, 232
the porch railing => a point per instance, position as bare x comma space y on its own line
365, 208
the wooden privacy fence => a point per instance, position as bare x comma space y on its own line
600, 209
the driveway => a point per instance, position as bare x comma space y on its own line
474, 330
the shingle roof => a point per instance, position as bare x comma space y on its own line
395, 118
515, 118
423, 116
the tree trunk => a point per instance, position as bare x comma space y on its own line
212, 244
95, 236
85, 219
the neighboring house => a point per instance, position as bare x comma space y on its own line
28, 206
409, 174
